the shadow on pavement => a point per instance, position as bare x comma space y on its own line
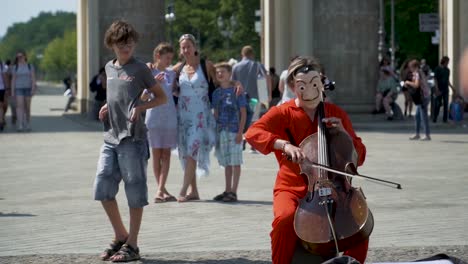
217, 261
15, 215
240, 202
56, 124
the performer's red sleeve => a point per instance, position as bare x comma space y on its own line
261, 134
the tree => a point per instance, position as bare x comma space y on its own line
200, 19
35, 35
60, 57
409, 41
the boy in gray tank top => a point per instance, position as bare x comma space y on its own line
124, 154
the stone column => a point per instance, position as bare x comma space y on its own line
345, 41
147, 16
282, 34
302, 37
93, 19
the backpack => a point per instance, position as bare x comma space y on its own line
16, 67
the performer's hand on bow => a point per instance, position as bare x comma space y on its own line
293, 153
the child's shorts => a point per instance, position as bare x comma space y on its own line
128, 162
228, 152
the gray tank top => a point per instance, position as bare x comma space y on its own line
23, 76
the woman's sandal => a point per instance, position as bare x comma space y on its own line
127, 253
114, 247
230, 197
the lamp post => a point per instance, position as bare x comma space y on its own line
226, 28
170, 17
381, 31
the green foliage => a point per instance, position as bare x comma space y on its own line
409, 42
37, 34
200, 18
60, 57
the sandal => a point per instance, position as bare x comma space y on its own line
113, 248
220, 197
159, 200
170, 198
230, 197
128, 253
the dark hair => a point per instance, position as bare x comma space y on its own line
163, 48
444, 60
120, 32
302, 63
223, 65
24, 54
272, 70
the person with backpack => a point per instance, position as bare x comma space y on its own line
422, 98
23, 86
230, 114
196, 123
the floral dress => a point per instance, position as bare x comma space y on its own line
196, 123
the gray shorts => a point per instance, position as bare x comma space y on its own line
128, 162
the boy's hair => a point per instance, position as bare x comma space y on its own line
444, 60
224, 65
163, 48
120, 32
247, 51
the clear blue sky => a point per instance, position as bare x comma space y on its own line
13, 11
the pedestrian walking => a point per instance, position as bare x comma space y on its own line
124, 154
23, 87
442, 84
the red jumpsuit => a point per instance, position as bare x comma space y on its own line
290, 186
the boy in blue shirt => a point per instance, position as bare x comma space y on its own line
230, 114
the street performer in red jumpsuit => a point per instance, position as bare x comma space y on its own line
290, 122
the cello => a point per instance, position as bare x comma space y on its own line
333, 216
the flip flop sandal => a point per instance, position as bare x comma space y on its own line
230, 197
159, 200
128, 253
170, 199
113, 248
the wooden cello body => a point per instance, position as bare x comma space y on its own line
333, 216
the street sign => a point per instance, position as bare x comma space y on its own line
428, 22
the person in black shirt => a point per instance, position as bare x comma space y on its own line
98, 85
442, 83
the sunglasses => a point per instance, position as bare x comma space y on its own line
187, 36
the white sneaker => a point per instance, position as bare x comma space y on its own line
426, 138
253, 151
415, 137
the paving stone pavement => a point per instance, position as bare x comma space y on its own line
47, 214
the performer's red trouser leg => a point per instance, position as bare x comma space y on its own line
283, 236
359, 252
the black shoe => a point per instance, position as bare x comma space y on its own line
220, 197
389, 118
375, 111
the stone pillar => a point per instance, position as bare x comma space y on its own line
147, 16
93, 19
82, 56
345, 41
453, 35
343, 35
